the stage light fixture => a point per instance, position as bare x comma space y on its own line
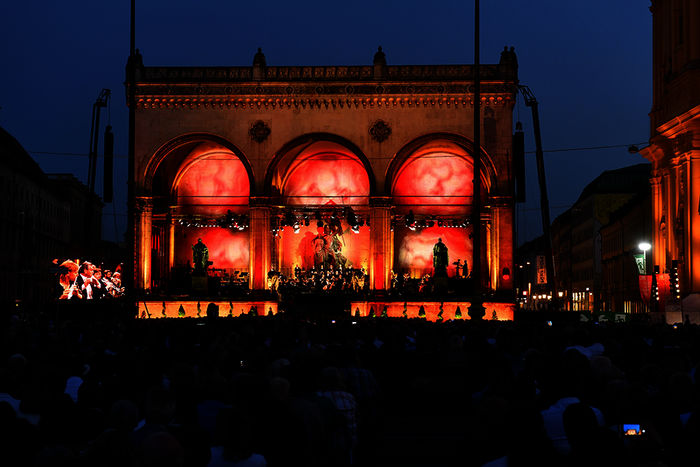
411, 220
296, 228
306, 220
431, 223
351, 218
439, 222
355, 228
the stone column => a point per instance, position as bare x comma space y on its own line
171, 244
380, 240
692, 242
143, 212
502, 244
260, 247
657, 206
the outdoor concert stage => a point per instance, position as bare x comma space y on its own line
394, 309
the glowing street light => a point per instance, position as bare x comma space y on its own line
644, 246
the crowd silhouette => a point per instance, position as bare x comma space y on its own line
283, 390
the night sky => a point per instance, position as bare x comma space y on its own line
588, 63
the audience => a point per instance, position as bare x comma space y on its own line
282, 390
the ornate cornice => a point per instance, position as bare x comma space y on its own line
281, 103
328, 73
317, 87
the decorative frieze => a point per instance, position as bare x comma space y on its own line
281, 103
327, 73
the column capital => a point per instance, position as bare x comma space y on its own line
381, 201
263, 201
143, 204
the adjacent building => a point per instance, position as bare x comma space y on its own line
593, 243
674, 145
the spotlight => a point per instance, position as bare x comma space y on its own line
411, 220
355, 228
439, 222
289, 218
351, 218
296, 228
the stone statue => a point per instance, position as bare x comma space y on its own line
440, 258
200, 257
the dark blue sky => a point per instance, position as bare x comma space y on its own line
588, 63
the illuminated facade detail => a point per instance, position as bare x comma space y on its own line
289, 148
674, 146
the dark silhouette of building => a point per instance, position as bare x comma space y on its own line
41, 218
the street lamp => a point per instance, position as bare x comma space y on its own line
644, 246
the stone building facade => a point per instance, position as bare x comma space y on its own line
254, 158
674, 145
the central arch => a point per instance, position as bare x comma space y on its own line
324, 184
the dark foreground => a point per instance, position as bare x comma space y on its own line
387, 391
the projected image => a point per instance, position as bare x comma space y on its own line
327, 178
83, 280
213, 184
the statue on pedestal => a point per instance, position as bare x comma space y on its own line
200, 258
440, 259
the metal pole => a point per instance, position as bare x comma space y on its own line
131, 97
476, 309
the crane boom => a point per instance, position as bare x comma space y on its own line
531, 102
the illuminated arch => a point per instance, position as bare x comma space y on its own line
167, 161
320, 168
198, 178
433, 175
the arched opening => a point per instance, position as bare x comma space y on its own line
431, 186
324, 187
201, 187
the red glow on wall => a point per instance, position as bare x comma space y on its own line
213, 182
327, 177
435, 182
414, 249
228, 249
298, 249
503, 311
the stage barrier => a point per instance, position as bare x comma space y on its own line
198, 309
494, 310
